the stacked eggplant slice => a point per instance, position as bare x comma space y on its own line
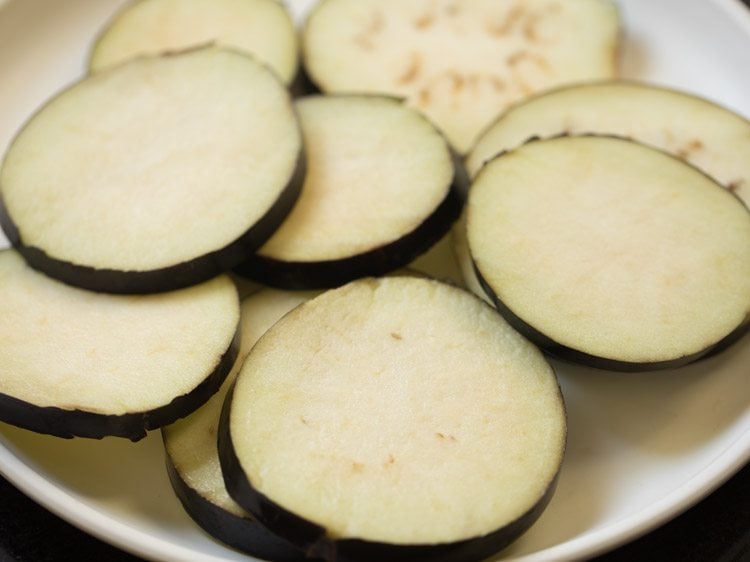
393, 416
694, 131
261, 28
78, 363
192, 454
154, 175
394, 419
382, 186
459, 62
608, 252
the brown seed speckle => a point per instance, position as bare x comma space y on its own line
423, 97
443, 437
412, 70
505, 26
424, 21
734, 186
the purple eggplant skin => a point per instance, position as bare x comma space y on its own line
315, 542
295, 275
571, 355
59, 422
177, 276
242, 533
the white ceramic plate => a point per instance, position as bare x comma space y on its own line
642, 447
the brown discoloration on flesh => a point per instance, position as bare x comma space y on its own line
534, 21
497, 83
304, 421
457, 81
412, 71
390, 461
517, 58
689, 149
365, 39
425, 20
734, 186
396, 336
444, 437
357, 467
423, 97
507, 24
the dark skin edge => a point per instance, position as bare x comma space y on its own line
314, 540
242, 533
77, 423
173, 277
568, 354
373, 263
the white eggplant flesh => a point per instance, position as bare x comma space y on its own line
397, 418
261, 28
460, 62
78, 363
610, 253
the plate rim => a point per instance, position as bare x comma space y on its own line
100, 524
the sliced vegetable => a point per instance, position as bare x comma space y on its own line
193, 459
709, 136
607, 252
382, 187
460, 62
77, 363
154, 175
394, 419
262, 28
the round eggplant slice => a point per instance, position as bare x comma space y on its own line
394, 419
459, 62
382, 187
193, 459
78, 363
154, 175
262, 28
709, 136
610, 253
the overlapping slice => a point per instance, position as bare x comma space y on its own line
394, 419
611, 253
154, 175
262, 28
77, 363
460, 62
382, 186
709, 136
192, 455
706, 135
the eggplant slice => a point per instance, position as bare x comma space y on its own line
459, 62
154, 175
394, 419
193, 459
78, 363
706, 135
709, 136
382, 187
262, 28
610, 253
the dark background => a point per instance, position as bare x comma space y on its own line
715, 530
